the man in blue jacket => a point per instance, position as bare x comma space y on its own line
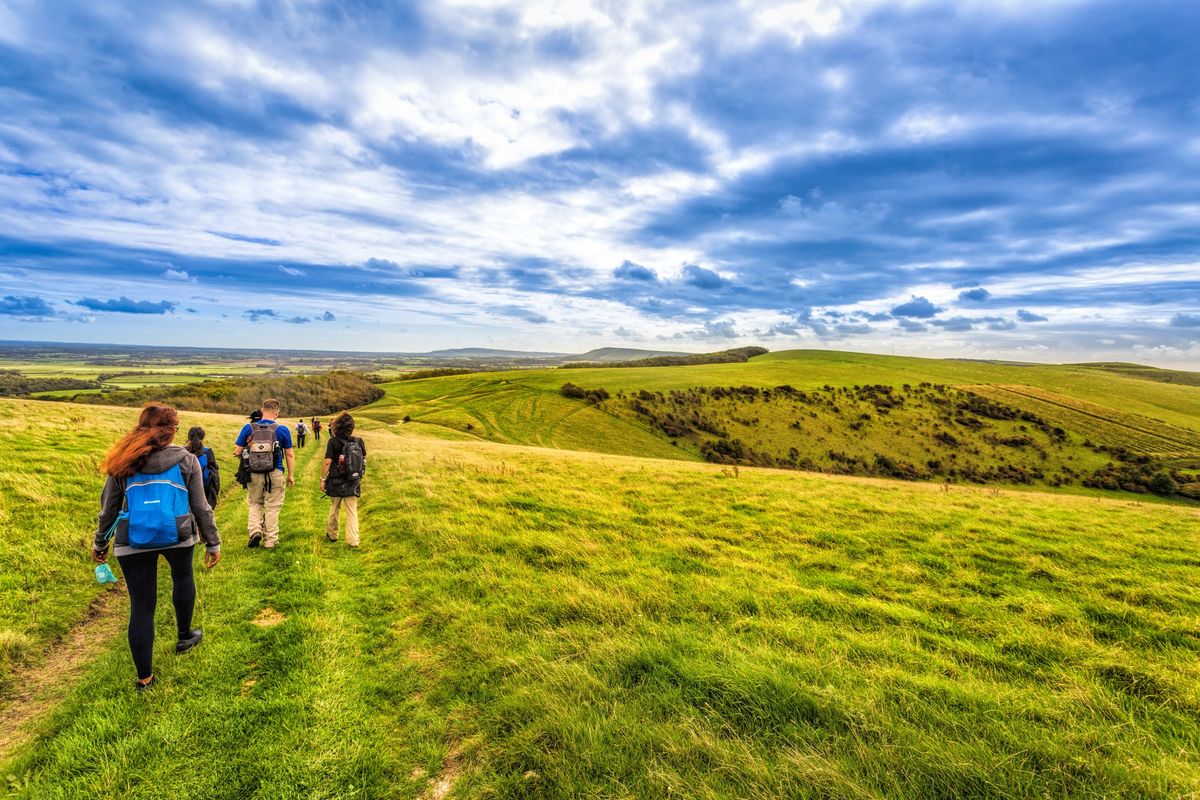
269, 446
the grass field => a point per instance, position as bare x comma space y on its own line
525, 622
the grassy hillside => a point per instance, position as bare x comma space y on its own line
1093, 406
506, 407
538, 623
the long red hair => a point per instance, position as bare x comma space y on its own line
155, 430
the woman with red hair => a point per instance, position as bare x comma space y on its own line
149, 480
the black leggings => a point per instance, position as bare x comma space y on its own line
141, 578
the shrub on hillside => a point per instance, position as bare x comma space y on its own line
593, 396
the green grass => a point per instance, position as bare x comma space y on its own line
138, 380
540, 623
504, 407
64, 393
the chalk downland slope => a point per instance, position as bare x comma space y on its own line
844, 413
526, 622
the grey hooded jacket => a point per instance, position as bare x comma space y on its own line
201, 517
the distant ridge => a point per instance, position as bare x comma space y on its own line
487, 352
621, 354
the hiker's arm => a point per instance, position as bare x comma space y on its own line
110, 507
290, 457
239, 444
198, 504
325, 471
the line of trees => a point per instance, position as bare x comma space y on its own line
14, 384
300, 395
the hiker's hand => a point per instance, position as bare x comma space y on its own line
291, 481
99, 557
211, 559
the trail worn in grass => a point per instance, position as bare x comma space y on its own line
35, 689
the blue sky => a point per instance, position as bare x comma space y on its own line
975, 179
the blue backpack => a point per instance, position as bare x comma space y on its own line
156, 508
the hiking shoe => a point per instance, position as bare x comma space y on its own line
331, 538
141, 687
255, 540
185, 644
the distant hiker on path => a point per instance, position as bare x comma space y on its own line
301, 432
267, 445
153, 502
316, 429
209, 467
341, 477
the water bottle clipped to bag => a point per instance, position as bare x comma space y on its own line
104, 574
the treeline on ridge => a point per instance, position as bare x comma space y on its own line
300, 395
736, 355
14, 384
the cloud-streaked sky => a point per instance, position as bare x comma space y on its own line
977, 179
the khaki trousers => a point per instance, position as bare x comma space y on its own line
331, 524
265, 506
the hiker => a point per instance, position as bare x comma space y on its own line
208, 464
266, 446
153, 502
301, 432
316, 429
341, 477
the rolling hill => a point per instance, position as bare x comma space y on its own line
529, 622
1106, 417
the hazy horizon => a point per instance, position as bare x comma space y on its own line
530, 353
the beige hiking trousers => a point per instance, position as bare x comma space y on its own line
265, 506
331, 524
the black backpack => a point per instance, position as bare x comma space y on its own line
351, 464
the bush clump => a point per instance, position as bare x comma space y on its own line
593, 396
